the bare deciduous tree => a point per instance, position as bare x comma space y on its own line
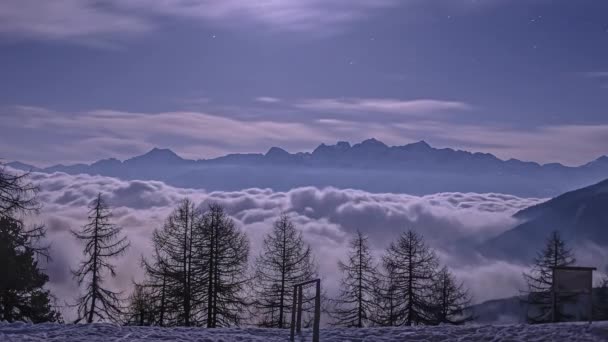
226, 253
285, 260
178, 267
410, 266
449, 300
103, 242
17, 194
199, 269
355, 304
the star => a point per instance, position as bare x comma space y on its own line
213, 36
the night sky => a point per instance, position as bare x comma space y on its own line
83, 80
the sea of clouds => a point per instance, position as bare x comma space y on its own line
451, 223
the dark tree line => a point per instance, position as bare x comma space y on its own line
409, 289
414, 286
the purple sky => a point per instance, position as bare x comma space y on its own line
84, 80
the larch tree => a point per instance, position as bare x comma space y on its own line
285, 260
103, 242
177, 269
540, 280
387, 312
410, 265
449, 300
17, 193
355, 303
141, 310
224, 251
156, 284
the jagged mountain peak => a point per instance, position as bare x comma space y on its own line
372, 142
419, 146
157, 155
276, 152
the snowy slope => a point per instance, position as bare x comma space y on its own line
17, 332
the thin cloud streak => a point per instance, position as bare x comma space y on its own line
88, 136
267, 99
66, 20
393, 106
94, 22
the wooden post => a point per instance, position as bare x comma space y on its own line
299, 317
553, 298
293, 314
315, 333
591, 298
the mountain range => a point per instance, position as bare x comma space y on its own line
371, 165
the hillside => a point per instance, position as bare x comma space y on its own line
581, 216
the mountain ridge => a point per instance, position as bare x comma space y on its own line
371, 165
580, 216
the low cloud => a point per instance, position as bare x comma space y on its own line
267, 99
328, 218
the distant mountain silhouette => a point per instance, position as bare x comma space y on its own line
371, 165
580, 216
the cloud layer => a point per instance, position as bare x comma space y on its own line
450, 222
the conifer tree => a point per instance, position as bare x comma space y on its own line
103, 242
355, 304
410, 266
285, 260
540, 280
22, 293
449, 300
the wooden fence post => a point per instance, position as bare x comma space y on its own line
293, 314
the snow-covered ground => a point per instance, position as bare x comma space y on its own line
106, 332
